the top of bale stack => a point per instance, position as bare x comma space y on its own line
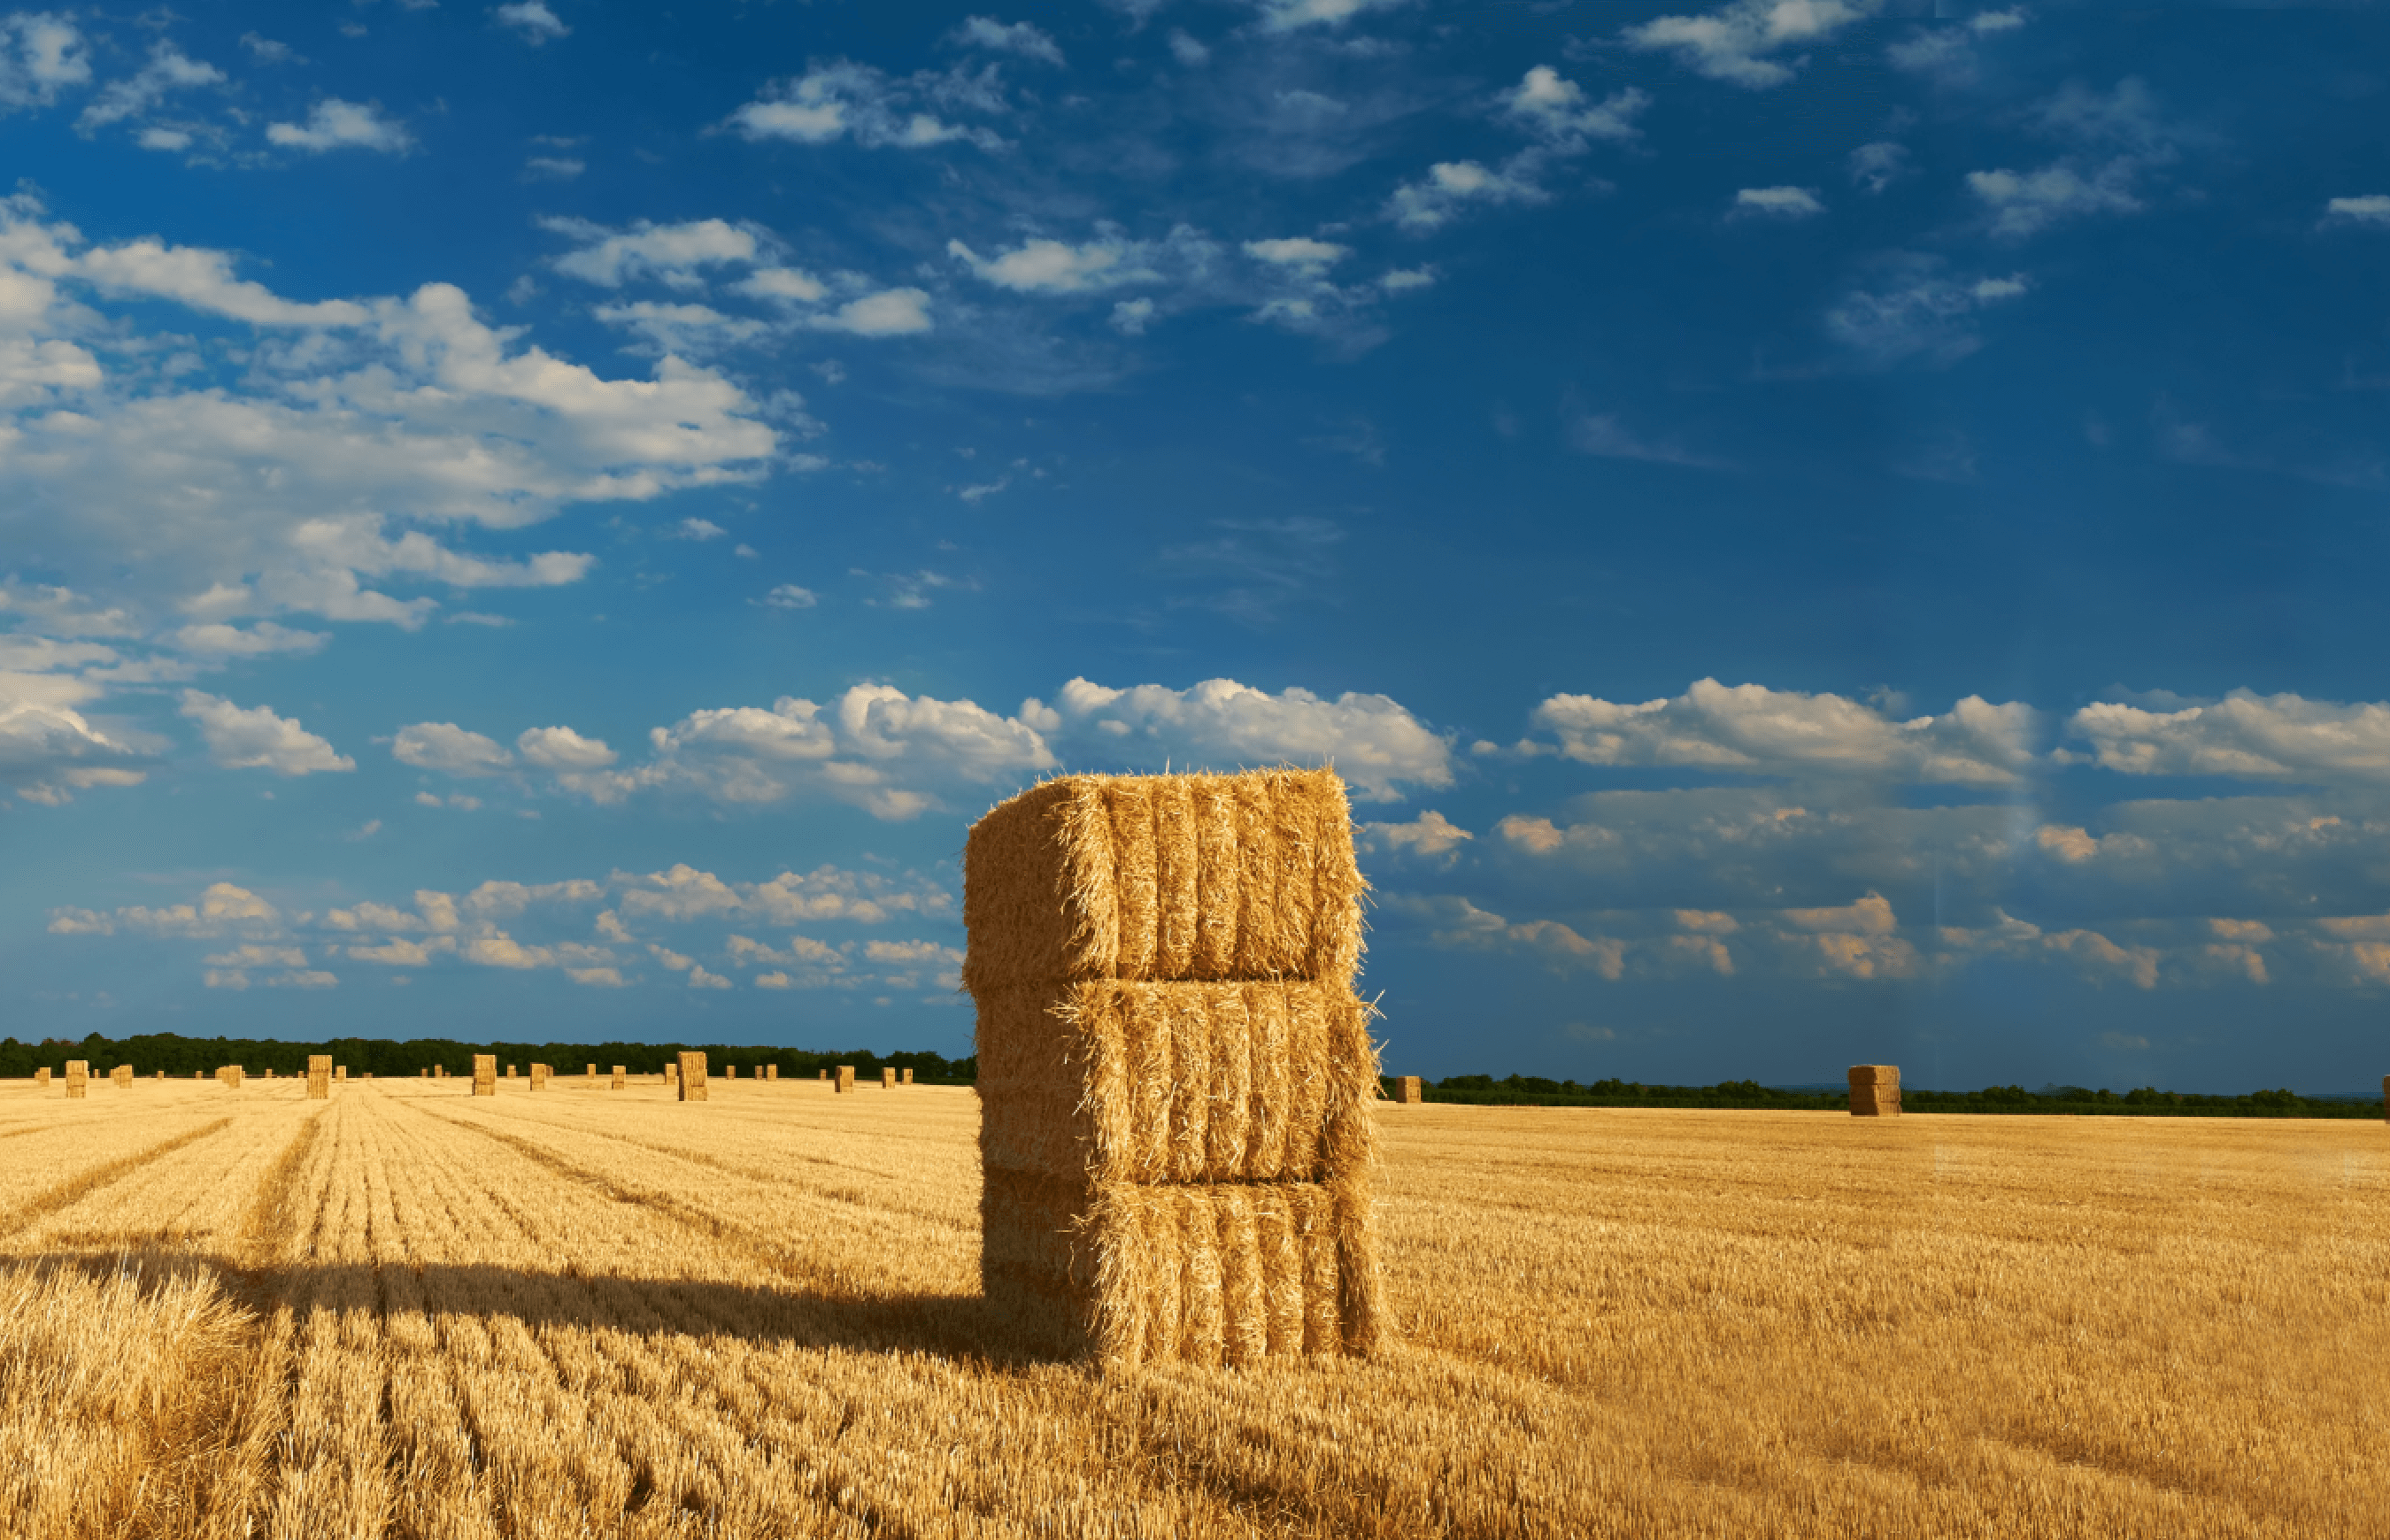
1163, 878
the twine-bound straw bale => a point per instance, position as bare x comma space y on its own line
485, 1074
1408, 1091
1231, 1274
319, 1076
78, 1078
1165, 877
1875, 1090
1176, 1076
1176, 1082
618, 1077
846, 1079
692, 1076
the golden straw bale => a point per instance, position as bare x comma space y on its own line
1176, 1082
319, 1076
1875, 1091
539, 1076
485, 1074
618, 1077
1164, 877
846, 1079
340, 1072
120, 1076
1408, 1091
771, 1072
78, 1077
908, 1074
886, 1080
1128, 1273
692, 1076
41, 1076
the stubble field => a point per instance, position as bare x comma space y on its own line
408, 1312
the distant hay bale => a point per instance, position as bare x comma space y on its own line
319, 1076
78, 1078
340, 1072
510, 1072
1875, 1090
2385, 1098
485, 1074
590, 1074
1165, 878
670, 1071
540, 1075
730, 1071
886, 1080
1176, 1076
846, 1079
692, 1077
619, 1077
120, 1076
908, 1074
1407, 1092
229, 1076
41, 1077
825, 1074
771, 1072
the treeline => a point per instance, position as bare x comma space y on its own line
387, 1058
2062, 1100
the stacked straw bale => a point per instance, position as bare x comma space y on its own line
846, 1079
730, 1071
771, 1072
909, 1077
1175, 1075
539, 1076
41, 1077
319, 1077
692, 1077
485, 1074
340, 1072
230, 1075
888, 1080
1407, 1092
591, 1074
618, 1077
1875, 1090
120, 1076
78, 1078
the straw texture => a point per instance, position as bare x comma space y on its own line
41, 1077
1176, 1076
485, 1074
771, 1072
319, 1076
1176, 1082
845, 1081
121, 1076
1875, 1090
692, 1076
886, 1080
78, 1078
618, 1077
1232, 1273
1165, 877
540, 1075
1407, 1092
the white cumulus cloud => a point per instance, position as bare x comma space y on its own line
337, 124
257, 739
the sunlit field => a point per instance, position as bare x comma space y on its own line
407, 1312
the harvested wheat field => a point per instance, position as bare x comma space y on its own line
410, 1311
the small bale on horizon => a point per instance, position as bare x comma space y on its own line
539, 1073
888, 1080
730, 1071
771, 1072
846, 1079
319, 1077
908, 1075
1408, 1091
485, 1074
121, 1076
1875, 1090
41, 1077
692, 1076
618, 1077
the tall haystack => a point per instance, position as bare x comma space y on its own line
319, 1076
485, 1074
539, 1076
120, 1077
845, 1081
907, 1078
78, 1078
692, 1076
229, 1076
1175, 1075
771, 1072
886, 1080
1875, 1090
619, 1075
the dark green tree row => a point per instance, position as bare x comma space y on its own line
1535, 1090
387, 1058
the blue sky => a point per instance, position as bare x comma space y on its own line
1818, 530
